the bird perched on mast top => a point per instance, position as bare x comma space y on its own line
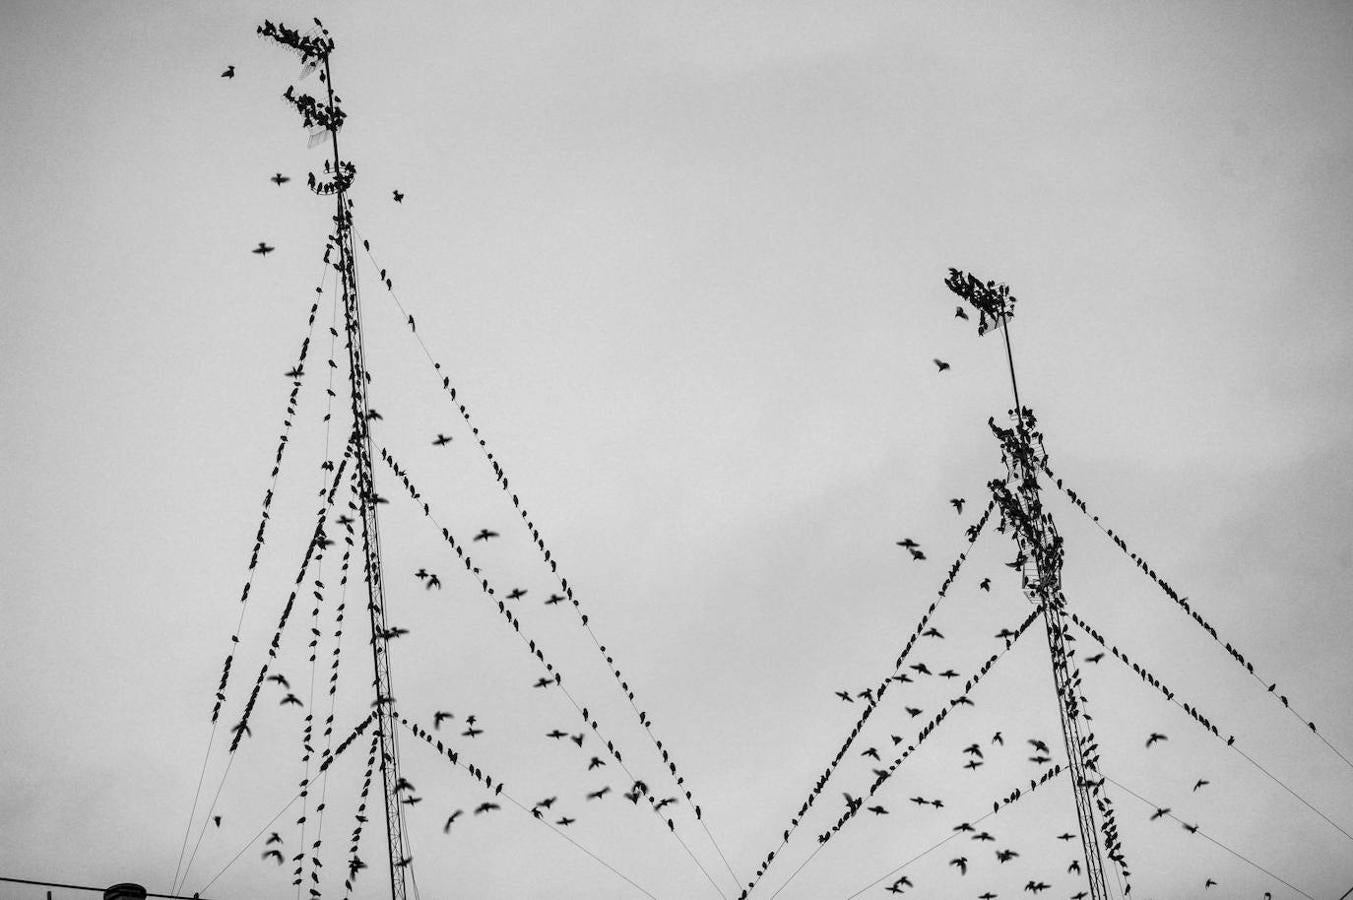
991, 300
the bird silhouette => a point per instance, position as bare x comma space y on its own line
932, 632
908, 543
446, 829
878, 810
913, 711
432, 582
940, 364
486, 806
262, 249
399, 196
280, 679
557, 734
516, 594
554, 598
291, 700
1160, 811
441, 716
273, 854
599, 794
960, 312
985, 585
962, 863
229, 72
485, 534
1095, 658
1155, 737
845, 695
1039, 745
565, 821
279, 179
1201, 782
543, 682
273, 838
596, 762
472, 732
1004, 856
441, 440
957, 503
295, 372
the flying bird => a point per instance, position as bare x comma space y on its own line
273, 838
1155, 737
433, 582
446, 829
471, 732
439, 717
485, 534
262, 249
908, 543
957, 503
292, 700
280, 679
1095, 658
1160, 811
960, 312
940, 364
279, 179
554, 598
229, 72
273, 854
962, 864
399, 196
599, 794
486, 806
1202, 782
441, 440
985, 585
516, 594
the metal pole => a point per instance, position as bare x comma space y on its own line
380, 646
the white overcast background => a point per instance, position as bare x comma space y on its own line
684, 264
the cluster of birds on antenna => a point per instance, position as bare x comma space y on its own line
264, 248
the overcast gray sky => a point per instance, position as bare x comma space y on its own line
684, 263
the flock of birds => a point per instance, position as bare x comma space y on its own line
550, 808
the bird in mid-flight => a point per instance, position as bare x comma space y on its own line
399, 196
940, 364
485, 534
441, 440
1155, 737
229, 72
960, 312
957, 503
262, 249
279, 179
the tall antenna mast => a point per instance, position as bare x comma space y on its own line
1021, 506
315, 49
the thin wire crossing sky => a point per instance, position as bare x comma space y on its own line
684, 266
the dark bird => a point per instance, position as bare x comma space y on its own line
877, 810
1065, 836
948, 673
273, 854
577, 738
962, 864
1155, 737
872, 752
543, 682
291, 700
1037, 887
295, 372
1160, 811
983, 836
412, 800
217, 820
974, 749
932, 632
960, 312
399, 196
1191, 829
1040, 759
1209, 883
998, 739
1201, 782
973, 764
273, 838
920, 668
1005, 856
908, 543
917, 554
913, 711
599, 794
262, 249
557, 734
439, 717
554, 598
446, 829
957, 503
485, 534
940, 364
516, 594
565, 821
845, 695
433, 582
229, 72
985, 584
279, 179
280, 679
1074, 868
1039, 746
595, 763
441, 440
486, 806
1095, 657
471, 732
903, 882
421, 574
